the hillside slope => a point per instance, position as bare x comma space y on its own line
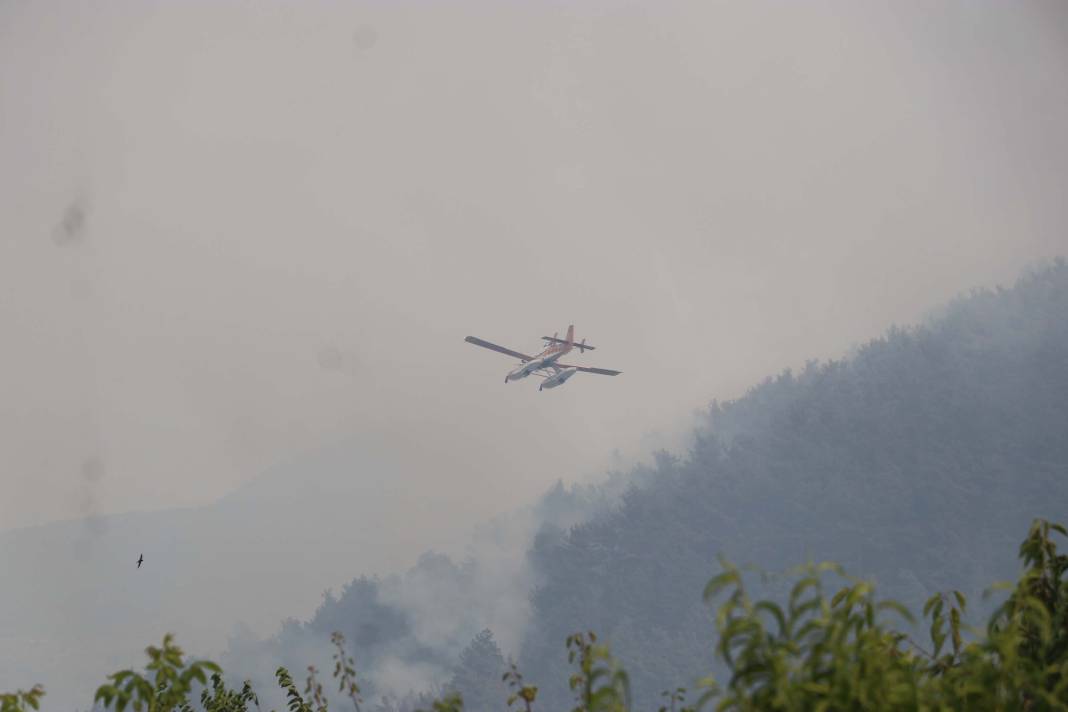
916, 461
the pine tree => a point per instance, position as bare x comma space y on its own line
478, 676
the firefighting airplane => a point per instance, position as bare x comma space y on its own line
547, 363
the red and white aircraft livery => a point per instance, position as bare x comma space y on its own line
547, 363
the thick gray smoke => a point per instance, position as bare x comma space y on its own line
408, 629
238, 235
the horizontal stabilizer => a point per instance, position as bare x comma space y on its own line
581, 346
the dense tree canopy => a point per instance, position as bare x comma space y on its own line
914, 461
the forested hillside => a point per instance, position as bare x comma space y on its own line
439, 623
915, 461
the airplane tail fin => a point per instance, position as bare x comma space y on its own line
582, 346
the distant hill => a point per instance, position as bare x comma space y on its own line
72, 601
415, 631
916, 461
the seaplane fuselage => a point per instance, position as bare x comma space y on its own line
546, 359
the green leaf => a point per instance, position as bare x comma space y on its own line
930, 603
775, 612
960, 599
720, 582
896, 607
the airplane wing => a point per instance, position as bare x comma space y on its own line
499, 349
588, 369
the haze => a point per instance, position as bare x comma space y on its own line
237, 234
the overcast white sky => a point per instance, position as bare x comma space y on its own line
235, 232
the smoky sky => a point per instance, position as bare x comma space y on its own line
299, 210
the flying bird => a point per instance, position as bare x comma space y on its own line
140, 559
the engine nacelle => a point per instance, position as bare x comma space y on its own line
559, 378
